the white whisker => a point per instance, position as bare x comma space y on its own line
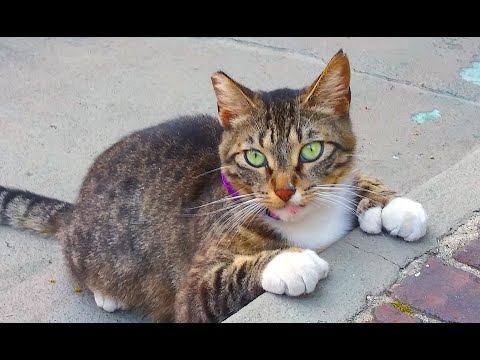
213, 170
249, 215
345, 186
353, 192
241, 206
227, 198
236, 221
342, 198
337, 202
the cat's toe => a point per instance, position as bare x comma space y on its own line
371, 220
108, 303
405, 218
99, 299
294, 273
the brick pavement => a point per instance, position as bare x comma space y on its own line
444, 288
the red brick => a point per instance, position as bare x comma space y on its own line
470, 254
387, 313
442, 291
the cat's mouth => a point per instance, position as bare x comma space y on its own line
286, 213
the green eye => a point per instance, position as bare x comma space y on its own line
311, 151
255, 158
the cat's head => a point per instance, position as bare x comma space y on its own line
280, 146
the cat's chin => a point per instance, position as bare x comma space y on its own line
288, 213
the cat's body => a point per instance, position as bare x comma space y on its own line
157, 228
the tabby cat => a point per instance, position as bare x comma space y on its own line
190, 220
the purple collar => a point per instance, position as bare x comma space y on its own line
231, 191
234, 193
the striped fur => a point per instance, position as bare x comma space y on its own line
219, 284
26, 210
372, 192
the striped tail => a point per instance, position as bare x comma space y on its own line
26, 210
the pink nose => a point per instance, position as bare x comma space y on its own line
285, 194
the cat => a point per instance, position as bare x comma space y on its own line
190, 220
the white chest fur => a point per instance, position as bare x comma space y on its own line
321, 224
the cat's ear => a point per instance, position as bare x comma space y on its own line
330, 92
234, 100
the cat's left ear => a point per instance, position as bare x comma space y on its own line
235, 101
330, 92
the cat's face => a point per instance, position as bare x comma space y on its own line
279, 148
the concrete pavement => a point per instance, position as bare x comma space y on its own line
65, 100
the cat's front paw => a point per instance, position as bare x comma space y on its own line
401, 217
294, 273
405, 218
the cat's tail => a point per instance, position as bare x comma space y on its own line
25, 210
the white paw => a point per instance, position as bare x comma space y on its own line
108, 303
294, 273
371, 220
405, 218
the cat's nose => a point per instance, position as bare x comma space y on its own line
286, 193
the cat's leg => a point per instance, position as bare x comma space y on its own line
220, 284
108, 303
380, 207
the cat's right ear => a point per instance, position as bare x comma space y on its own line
330, 93
235, 102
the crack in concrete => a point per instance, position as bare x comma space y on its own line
312, 56
418, 86
365, 305
374, 253
308, 54
386, 292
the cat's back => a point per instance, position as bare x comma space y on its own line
196, 131
173, 140
171, 151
